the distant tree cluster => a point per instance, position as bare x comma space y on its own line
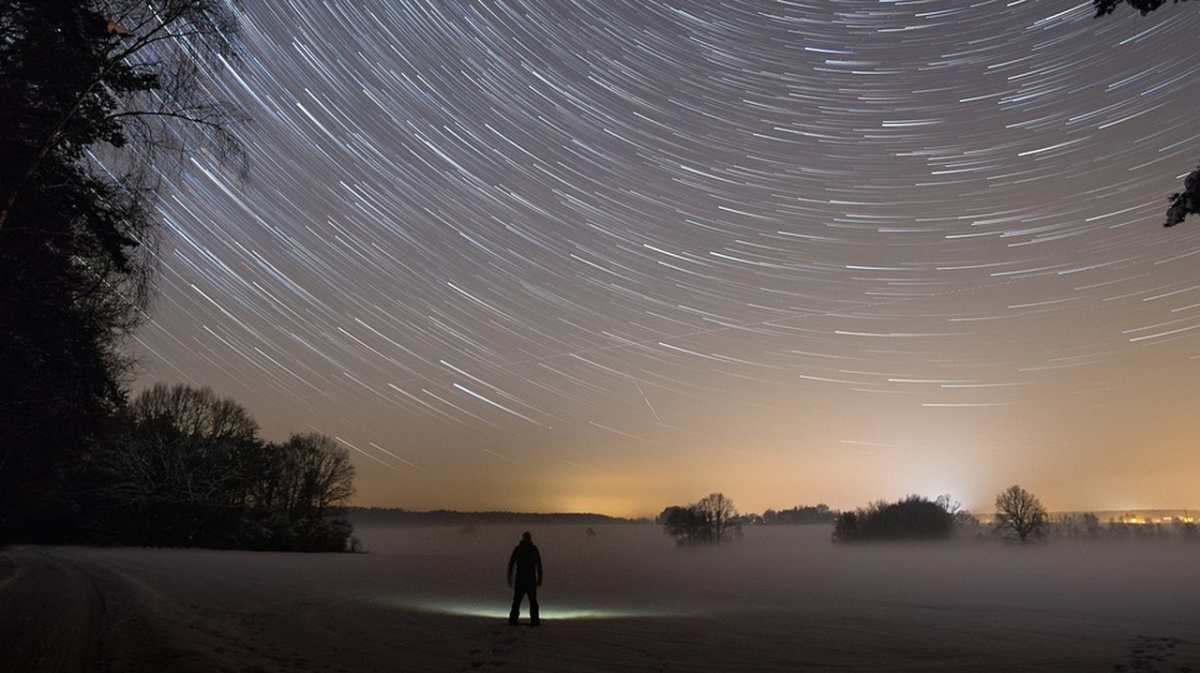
800, 515
390, 516
189, 470
711, 520
912, 518
1019, 518
1086, 527
1076, 527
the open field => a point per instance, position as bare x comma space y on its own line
623, 599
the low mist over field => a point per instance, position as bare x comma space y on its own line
620, 597
636, 568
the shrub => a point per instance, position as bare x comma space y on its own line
912, 518
712, 519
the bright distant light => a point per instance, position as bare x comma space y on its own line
499, 610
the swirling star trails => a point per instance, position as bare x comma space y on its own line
493, 232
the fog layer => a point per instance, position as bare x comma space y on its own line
619, 597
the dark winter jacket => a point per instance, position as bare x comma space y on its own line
528, 563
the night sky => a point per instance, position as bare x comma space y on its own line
615, 255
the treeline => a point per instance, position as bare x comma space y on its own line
383, 516
802, 515
1087, 527
714, 519
1019, 517
79, 81
190, 470
182, 467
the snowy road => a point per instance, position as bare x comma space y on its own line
51, 614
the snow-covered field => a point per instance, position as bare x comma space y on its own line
621, 599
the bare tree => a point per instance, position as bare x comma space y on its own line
313, 476
193, 412
1020, 515
135, 73
191, 471
299, 497
185, 472
711, 519
719, 514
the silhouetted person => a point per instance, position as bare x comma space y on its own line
527, 562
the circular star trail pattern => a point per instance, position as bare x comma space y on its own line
606, 255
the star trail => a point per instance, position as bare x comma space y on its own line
612, 256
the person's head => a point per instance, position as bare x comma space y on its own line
526, 537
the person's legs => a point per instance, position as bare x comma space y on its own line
515, 613
533, 605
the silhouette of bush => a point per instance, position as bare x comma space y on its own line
912, 518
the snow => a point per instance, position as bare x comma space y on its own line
623, 599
